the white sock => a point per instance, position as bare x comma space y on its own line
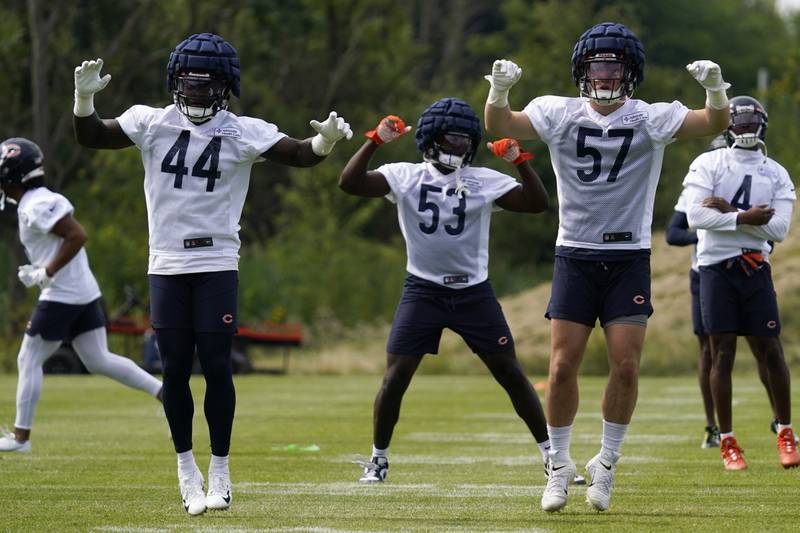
613, 434
781, 427
378, 452
559, 442
723, 436
544, 447
186, 462
218, 464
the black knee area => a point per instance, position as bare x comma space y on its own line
176, 347
214, 352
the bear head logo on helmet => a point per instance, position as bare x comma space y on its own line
202, 72
748, 127
21, 161
608, 63
448, 133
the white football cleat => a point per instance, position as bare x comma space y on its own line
219, 490
554, 497
194, 497
9, 443
375, 470
601, 471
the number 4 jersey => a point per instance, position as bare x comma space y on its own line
447, 235
195, 181
606, 167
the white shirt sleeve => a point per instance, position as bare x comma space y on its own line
399, 176
43, 215
664, 120
698, 185
778, 226
497, 185
136, 121
546, 113
681, 205
258, 136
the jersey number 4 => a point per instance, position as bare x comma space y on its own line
582, 150
427, 205
741, 200
209, 157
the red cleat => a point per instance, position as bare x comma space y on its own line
732, 456
787, 448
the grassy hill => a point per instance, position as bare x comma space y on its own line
670, 348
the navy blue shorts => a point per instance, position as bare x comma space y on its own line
732, 302
56, 321
697, 316
205, 302
585, 290
426, 308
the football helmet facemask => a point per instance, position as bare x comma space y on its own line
749, 120
200, 95
448, 133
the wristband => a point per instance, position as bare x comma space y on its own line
84, 105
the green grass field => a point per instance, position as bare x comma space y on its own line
460, 461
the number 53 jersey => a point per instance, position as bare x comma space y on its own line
607, 167
447, 235
195, 182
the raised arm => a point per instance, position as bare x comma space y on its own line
355, 178
532, 196
309, 152
90, 129
498, 116
715, 117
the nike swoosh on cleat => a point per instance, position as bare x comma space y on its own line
227, 498
607, 467
557, 468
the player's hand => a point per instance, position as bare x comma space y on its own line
329, 132
720, 204
388, 129
87, 78
504, 75
758, 215
708, 74
31, 275
509, 150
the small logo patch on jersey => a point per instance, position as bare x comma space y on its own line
639, 299
227, 132
460, 278
474, 185
227, 318
198, 242
633, 118
765, 171
622, 236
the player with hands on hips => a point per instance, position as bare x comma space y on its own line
444, 207
606, 149
740, 201
69, 306
197, 158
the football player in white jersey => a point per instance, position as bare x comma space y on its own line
680, 234
444, 207
741, 199
606, 149
197, 158
69, 302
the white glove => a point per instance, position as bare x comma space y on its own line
31, 275
329, 132
709, 76
87, 83
504, 75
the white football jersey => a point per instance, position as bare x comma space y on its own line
682, 206
744, 178
195, 181
38, 211
606, 167
447, 236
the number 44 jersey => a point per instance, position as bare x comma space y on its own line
195, 181
607, 167
447, 234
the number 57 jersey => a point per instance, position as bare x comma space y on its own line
447, 234
195, 181
607, 167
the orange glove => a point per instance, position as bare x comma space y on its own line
509, 150
388, 129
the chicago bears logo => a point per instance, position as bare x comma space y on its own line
502, 341
10, 150
772, 324
227, 318
639, 299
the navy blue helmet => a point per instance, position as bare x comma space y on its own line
608, 52
749, 122
452, 117
201, 73
20, 161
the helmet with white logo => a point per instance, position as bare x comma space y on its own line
21, 160
749, 120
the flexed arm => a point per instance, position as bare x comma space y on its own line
498, 116
90, 129
532, 196
355, 178
715, 117
309, 152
